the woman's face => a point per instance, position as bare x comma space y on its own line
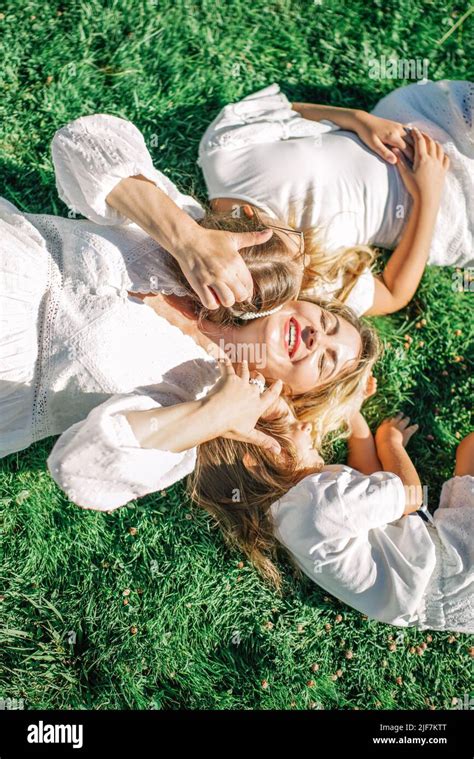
302, 344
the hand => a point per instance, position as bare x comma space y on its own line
395, 432
425, 179
241, 404
379, 134
213, 266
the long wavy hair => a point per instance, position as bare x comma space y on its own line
239, 497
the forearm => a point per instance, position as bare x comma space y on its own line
145, 204
343, 117
407, 263
394, 458
362, 451
177, 428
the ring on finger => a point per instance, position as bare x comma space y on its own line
260, 384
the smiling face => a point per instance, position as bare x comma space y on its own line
302, 344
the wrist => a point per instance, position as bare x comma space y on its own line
185, 238
386, 447
217, 409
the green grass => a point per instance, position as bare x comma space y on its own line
203, 638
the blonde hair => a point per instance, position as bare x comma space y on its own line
278, 278
329, 406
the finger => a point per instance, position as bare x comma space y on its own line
410, 431
224, 294
430, 145
420, 145
242, 287
256, 375
383, 151
205, 295
264, 441
271, 394
446, 161
247, 239
396, 140
439, 152
243, 370
226, 367
240, 277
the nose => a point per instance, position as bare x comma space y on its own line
312, 338
306, 427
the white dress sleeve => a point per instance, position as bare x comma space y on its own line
360, 298
100, 465
93, 153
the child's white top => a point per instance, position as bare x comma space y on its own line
346, 532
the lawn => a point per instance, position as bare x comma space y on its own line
146, 608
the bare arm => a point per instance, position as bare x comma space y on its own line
362, 451
231, 409
378, 134
391, 437
209, 259
399, 280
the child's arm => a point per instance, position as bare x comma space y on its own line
362, 451
391, 438
399, 280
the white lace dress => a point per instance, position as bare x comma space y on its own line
75, 348
261, 151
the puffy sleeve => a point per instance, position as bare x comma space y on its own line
100, 465
93, 153
339, 503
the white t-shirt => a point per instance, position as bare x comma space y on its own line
347, 532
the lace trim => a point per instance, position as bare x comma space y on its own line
47, 315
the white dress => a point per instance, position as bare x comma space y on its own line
347, 533
75, 348
261, 151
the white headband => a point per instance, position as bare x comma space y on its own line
249, 315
